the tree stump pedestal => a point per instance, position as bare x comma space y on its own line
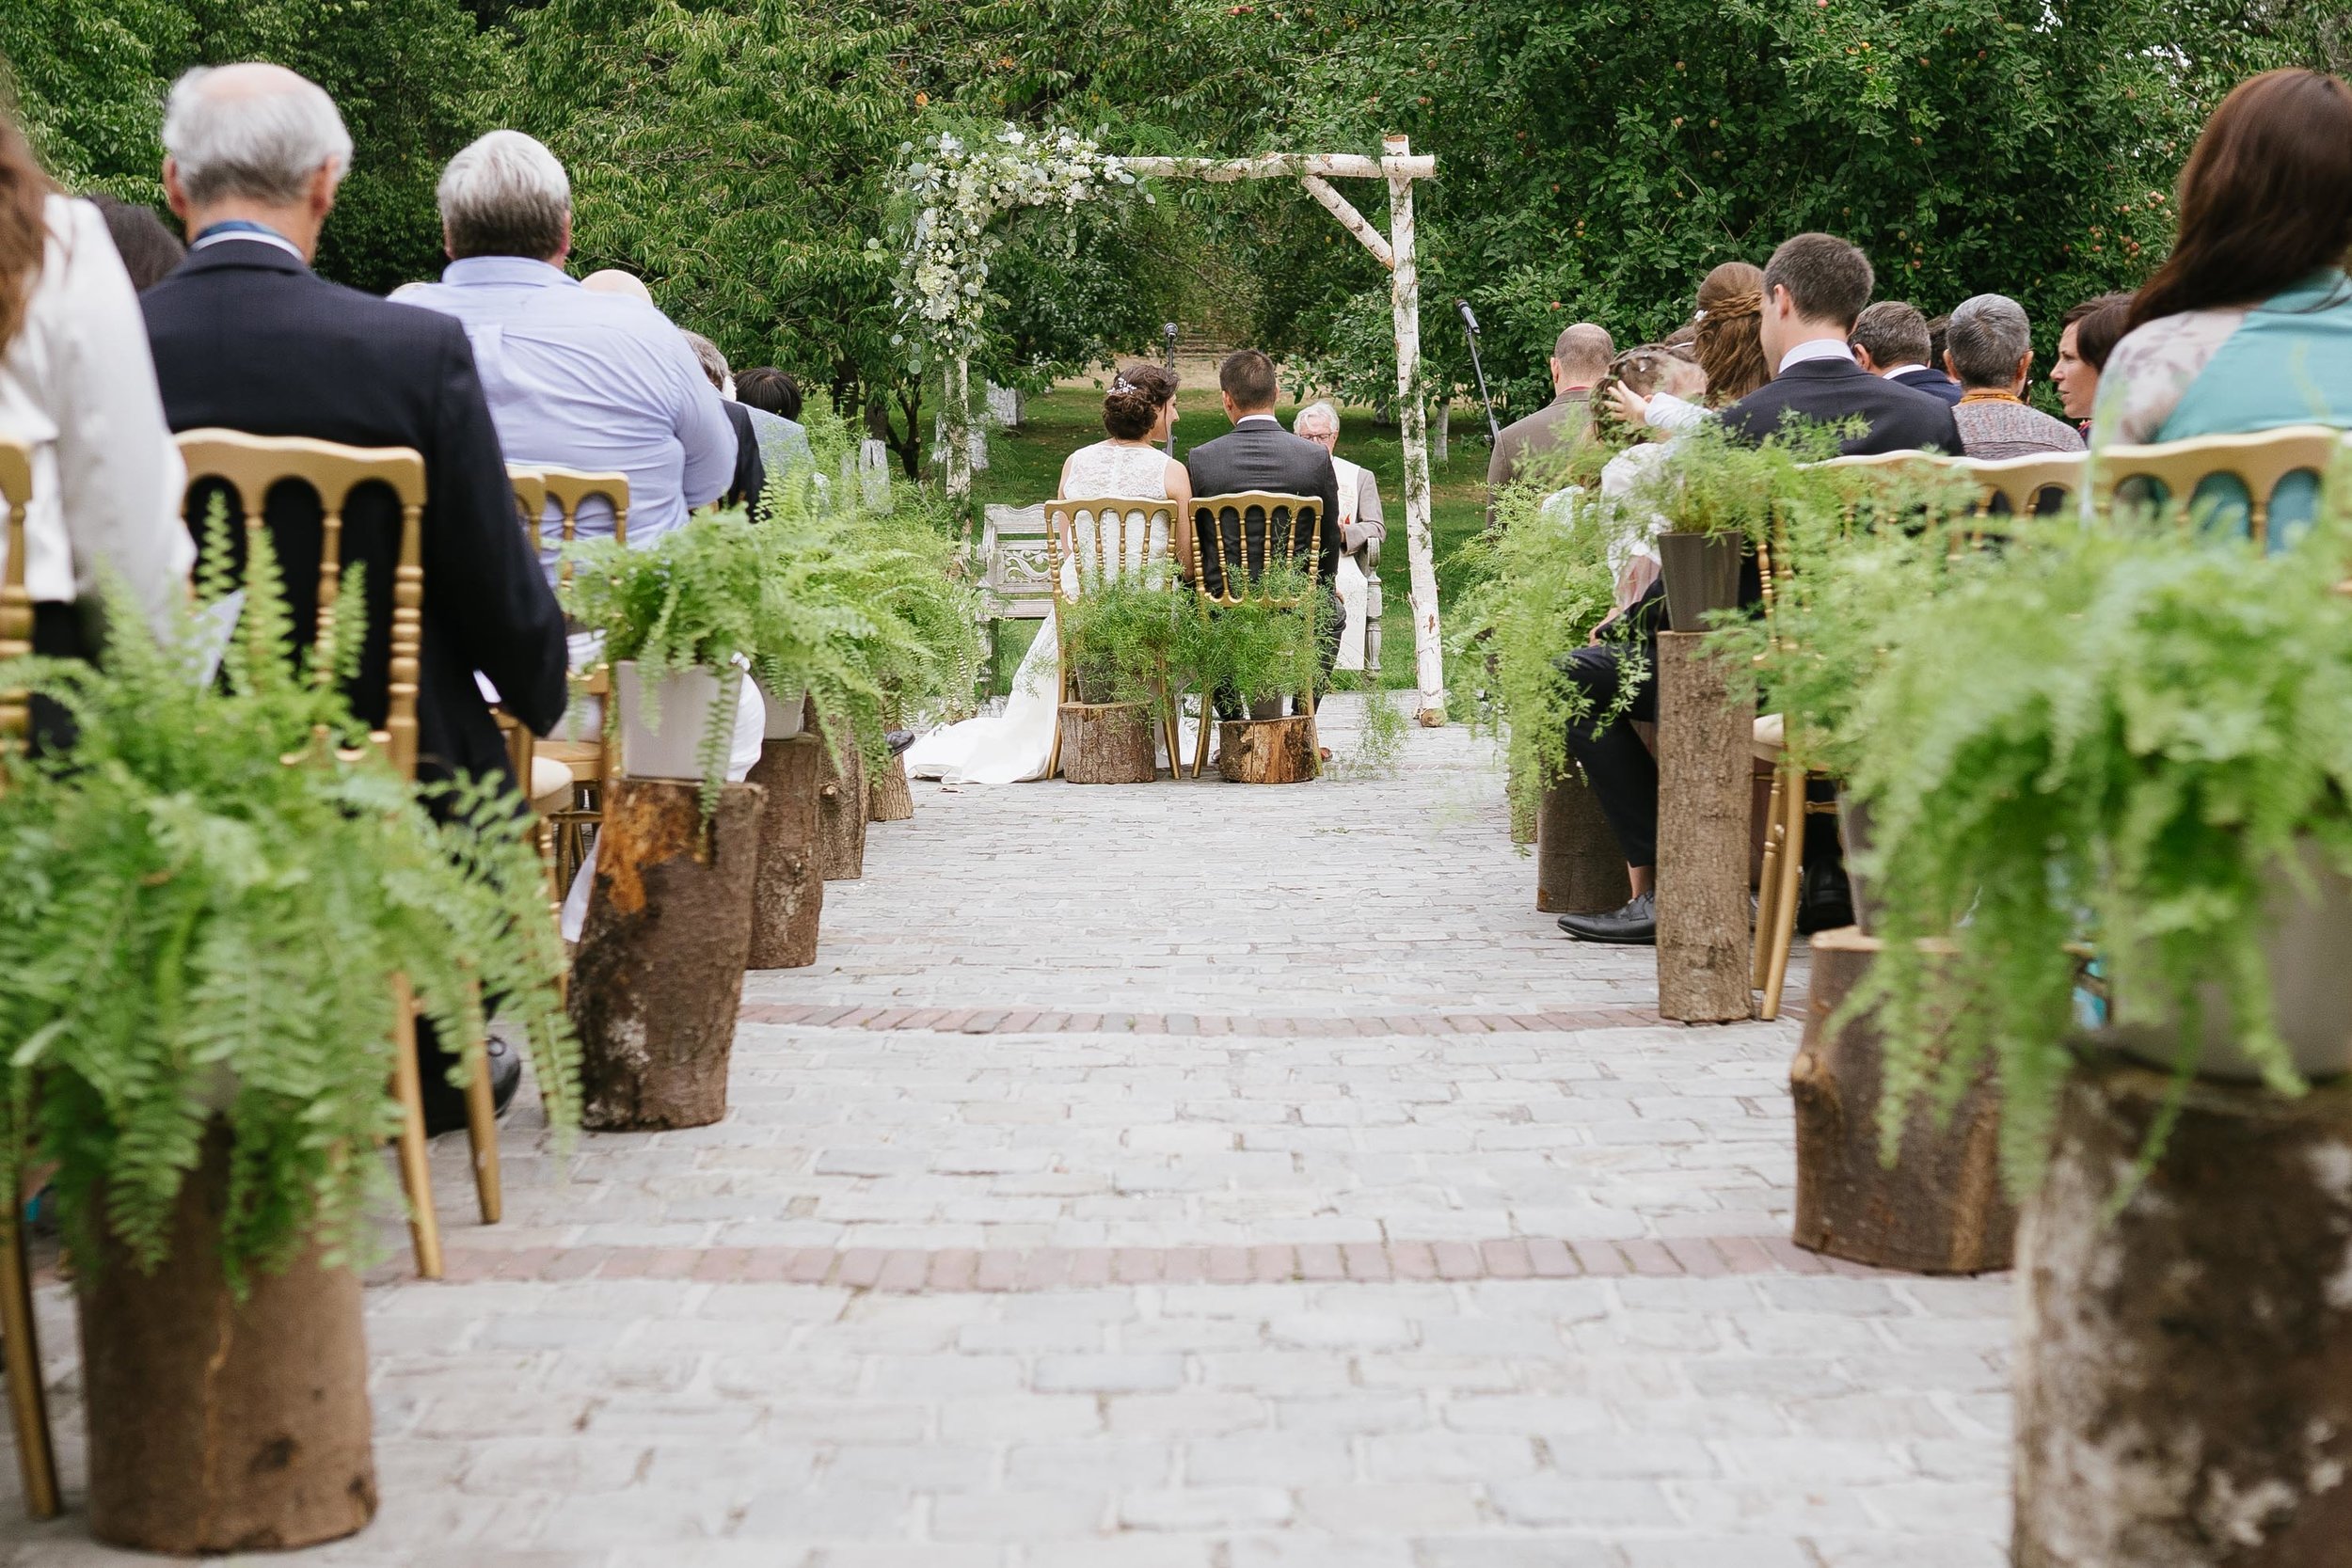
218, 1425
1940, 1209
1580, 868
659, 970
1704, 743
788, 896
1267, 750
890, 797
2184, 1367
1108, 743
841, 801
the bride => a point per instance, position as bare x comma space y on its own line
1138, 411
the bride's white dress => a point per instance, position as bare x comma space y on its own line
1015, 745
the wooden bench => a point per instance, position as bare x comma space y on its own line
1016, 571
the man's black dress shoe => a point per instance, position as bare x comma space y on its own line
1635, 926
446, 1112
1825, 900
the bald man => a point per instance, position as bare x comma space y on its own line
612, 281
1578, 362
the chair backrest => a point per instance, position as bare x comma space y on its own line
567, 488
2179, 469
1115, 536
1016, 552
2022, 481
252, 465
530, 497
16, 602
1284, 527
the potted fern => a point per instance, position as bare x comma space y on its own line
209, 1093
1118, 634
2134, 749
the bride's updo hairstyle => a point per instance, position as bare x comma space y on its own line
1133, 405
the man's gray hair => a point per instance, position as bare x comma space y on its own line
1988, 334
1318, 414
707, 354
254, 131
506, 195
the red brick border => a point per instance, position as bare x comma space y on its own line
1023, 1021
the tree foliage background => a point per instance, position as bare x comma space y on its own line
1594, 159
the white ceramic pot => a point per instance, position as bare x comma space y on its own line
2308, 947
785, 716
671, 747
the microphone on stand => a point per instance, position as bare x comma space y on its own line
1470, 326
1167, 357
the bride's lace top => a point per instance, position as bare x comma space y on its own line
1106, 468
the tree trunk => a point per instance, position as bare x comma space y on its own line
1441, 431
2184, 1367
1704, 744
1413, 442
888, 797
788, 898
1108, 743
1940, 1209
659, 968
840, 800
1266, 751
218, 1425
1580, 868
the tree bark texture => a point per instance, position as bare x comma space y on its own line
1940, 1208
218, 1425
1704, 746
2184, 1368
1108, 743
840, 803
889, 797
1580, 868
1266, 751
789, 896
659, 968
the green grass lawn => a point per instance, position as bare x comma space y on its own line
1024, 468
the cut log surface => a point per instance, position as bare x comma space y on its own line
1704, 746
1940, 1209
659, 968
1578, 867
218, 1425
889, 797
1266, 751
841, 803
789, 898
2185, 1367
1108, 743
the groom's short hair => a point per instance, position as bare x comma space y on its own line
1247, 376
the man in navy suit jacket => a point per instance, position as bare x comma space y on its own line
1890, 339
247, 337
1815, 287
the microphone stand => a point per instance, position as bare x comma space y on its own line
1470, 326
1168, 358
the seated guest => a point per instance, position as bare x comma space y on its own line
774, 402
1890, 339
751, 475
1579, 359
1361, 529
2248, 324
1259, 455
578, 378
1726, 337
1815, 287
2074, 375
148, 250
618, 280
1649, 375
247, 337
1990, 349
766, 387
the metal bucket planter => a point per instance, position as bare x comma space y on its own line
671, 746
1702, 572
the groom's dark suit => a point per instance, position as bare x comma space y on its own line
1259, 455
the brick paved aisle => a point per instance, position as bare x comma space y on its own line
1183, 1177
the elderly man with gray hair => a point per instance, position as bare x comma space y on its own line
1989, 350
1361, 531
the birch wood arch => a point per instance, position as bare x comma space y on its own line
1399, 167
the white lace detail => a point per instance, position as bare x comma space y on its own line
1105, 468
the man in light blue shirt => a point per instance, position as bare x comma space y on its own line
575, 379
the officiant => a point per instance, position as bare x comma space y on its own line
1361, 529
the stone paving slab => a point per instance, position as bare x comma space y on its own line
1177, 1177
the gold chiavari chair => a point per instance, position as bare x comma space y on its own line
586, 758
1108, 537
2020, 482
29, 1399
2179, 473
1222, 529
251, 467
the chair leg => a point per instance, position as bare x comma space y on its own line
482, 1134
1200, 744
416, 1177
28, 1401
1061, 695
1768, 886
1784, 934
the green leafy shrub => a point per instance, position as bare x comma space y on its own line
1267, 646
1121, 632
197, 920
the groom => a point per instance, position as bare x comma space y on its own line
1259, 455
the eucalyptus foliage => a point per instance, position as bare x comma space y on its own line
205, 905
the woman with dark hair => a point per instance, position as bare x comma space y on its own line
2248, 326
2074, 373
148, 250
767, 388
1138, 412
77, 387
